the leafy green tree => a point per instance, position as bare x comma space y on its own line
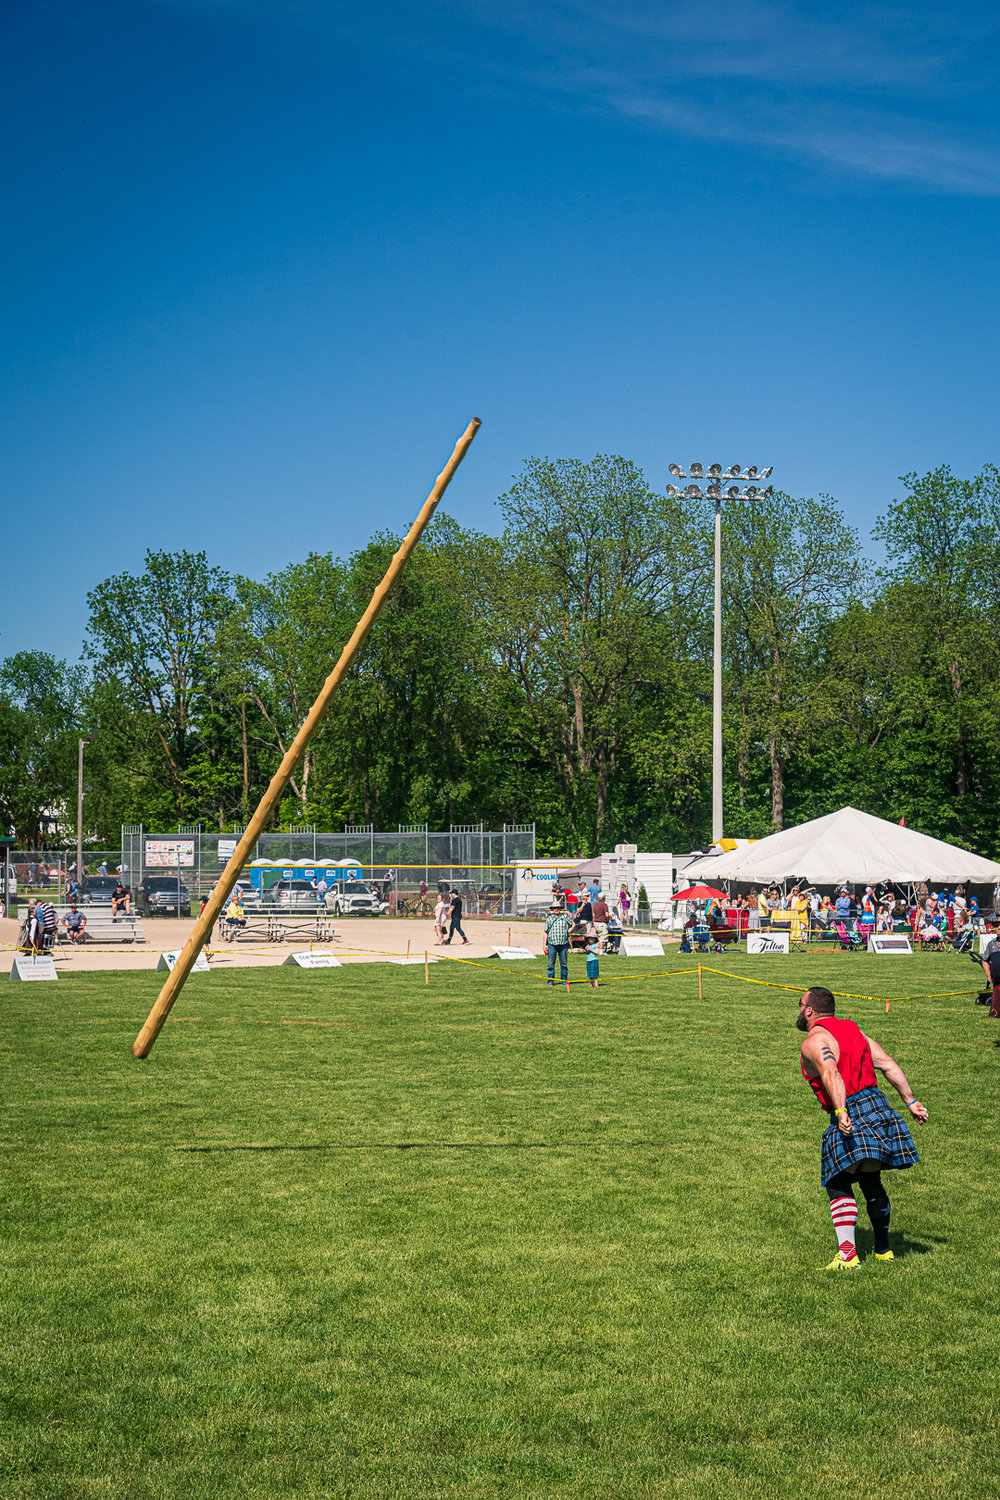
595, 595
39, 707
790, 568
154, 636
943, 537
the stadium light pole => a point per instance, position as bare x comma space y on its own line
89, 740
713, 491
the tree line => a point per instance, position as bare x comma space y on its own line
558, 673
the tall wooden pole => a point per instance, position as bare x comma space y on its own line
143, 1044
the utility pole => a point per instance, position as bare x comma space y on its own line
713, 491
91, 737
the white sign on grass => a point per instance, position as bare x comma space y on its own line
432, 958
200, 965
27, 967
314, 960
896, 942
641, 945
512, 953
767, 942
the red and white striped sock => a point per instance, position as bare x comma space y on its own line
844, 1212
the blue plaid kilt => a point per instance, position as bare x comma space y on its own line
879, 1135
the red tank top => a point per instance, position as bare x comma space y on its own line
854, 1063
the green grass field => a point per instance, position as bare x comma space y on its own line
345, 1235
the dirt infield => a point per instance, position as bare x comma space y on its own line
356, 940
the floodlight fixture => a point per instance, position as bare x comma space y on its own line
713, 491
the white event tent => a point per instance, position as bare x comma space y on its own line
849, 847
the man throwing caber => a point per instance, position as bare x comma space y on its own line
865, 1137
991, 968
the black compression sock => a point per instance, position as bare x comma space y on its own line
877, 1201
841, 1186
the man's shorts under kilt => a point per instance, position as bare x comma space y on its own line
879, 1135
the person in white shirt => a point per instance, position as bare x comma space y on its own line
440, 918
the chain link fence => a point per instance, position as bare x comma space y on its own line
183, 865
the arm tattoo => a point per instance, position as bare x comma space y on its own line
827, 1055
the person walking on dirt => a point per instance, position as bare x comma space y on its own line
865, 1136
455, 913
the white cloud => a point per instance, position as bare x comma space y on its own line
891, 92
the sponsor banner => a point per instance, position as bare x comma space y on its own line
314, 960
170, 852
512, 953
896, 942
767, 942
27, 967
227, 848
167, 961
432, 958
640, 945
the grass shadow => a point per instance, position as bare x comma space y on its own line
602, 1145
900, 1244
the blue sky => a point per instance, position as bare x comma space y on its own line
263, 259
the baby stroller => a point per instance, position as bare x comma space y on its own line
963, 940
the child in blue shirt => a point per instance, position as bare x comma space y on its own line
592, 950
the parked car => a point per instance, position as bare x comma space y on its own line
159, 895
97, 890
354, 898
292, 895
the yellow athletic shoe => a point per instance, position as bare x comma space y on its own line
840, 1264
886, 1255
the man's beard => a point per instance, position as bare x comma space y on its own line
800, 1021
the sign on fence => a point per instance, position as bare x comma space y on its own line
170, 852
167, 961
641, 945
227, 848
27, 967
896, 942
767, 942
315, 960
512, 953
